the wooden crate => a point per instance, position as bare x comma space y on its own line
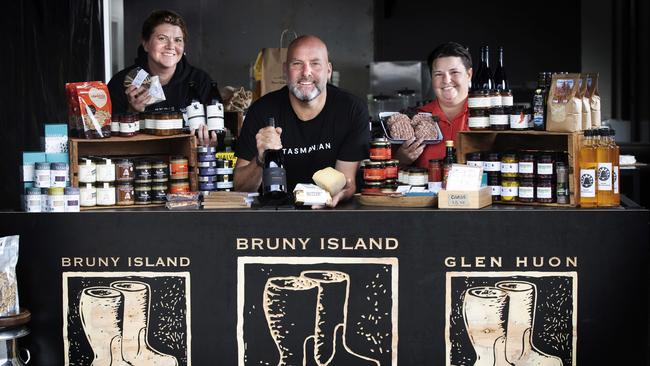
141, 145
501, 141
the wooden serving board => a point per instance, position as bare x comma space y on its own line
397, 201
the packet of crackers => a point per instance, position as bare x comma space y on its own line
8, 283
89, 109
141, 78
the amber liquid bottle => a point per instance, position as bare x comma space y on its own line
615, 198
605, 191
588, 166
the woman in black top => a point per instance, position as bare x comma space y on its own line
161, 53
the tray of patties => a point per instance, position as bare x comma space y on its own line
399, 127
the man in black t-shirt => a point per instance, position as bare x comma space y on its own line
317, 125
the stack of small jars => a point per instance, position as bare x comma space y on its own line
524, 176
380, 172
495, 110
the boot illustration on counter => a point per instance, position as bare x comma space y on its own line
100, 309
307, 317
485, 321
284, 302
520, 350
137, 308
330, 347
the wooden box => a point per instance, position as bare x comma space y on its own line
501, 141
465, 199
141, 145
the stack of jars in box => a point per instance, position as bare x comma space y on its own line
214, 174
495, 110
380, 171
524, 176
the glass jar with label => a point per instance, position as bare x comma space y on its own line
33, 200
373, 171
125, 194
106, 194
545, 190
142, 172
168, 123
380, 149
418, 177
129, 125
178, 167
403, 176
179, 186
371, 187
526, 190
499, 120
58, 174
159, 171
517, 118
147, 122
105, 170
158, 193
434, 171
492, 162
125, 172
87, 195
391, 167
479, 119
495, 98
87, 171
474, 159
115, 124
545, 165
42, 175
526, 165
509, 165
142, 194
495, 186
506, 98
389, 185
478, 99
56, 199
509, 189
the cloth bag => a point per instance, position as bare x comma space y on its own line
268, 66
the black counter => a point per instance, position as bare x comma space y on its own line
367, 286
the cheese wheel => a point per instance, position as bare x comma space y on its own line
330, 180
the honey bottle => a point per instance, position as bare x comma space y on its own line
604, 188
588, 166
615, 154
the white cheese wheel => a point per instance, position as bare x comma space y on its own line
330, 180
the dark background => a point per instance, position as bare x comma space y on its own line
50, 44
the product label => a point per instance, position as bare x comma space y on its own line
480, 102
168, 124
274, 177
495, 101
518, 121
492, 166
496, 190
478, 122
545, 192
604, 174
509, 167
139, 78
526, 167
507, 101
499, 119
215, 123
115, 127
457, 200
223, 185
615, 179
587, 183
224, 170
127, 127
509, 191
526, 192
545, 168
434, 186
478, 164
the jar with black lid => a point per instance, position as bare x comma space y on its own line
124, 170
158, 193
545, 165
143, 172
506, 98
418, 177
509, 165
526, 190
129, 125
478, 99
526, 165
499, 120
495, 98
479, 119
474, 159
159, 171
545, 190
380, 149
492, 163
516, 118
495, 185
142, 194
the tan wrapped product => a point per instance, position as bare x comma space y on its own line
584, 97
564, 107
330, 180
594, 99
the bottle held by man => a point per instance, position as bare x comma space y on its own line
274, 176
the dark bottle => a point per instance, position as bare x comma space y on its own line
478, 73
539, 102
486, 81
215, 95
448, 161
500, 78
274, 177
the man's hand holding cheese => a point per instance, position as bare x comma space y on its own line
317, 125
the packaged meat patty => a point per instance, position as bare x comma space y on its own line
399, 127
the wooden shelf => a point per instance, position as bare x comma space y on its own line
91, 208
141, 145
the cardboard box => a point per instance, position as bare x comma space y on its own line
55, 139
465, 199
56, 158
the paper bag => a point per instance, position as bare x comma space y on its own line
564, 106
269, 66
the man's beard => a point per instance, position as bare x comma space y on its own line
295, 90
